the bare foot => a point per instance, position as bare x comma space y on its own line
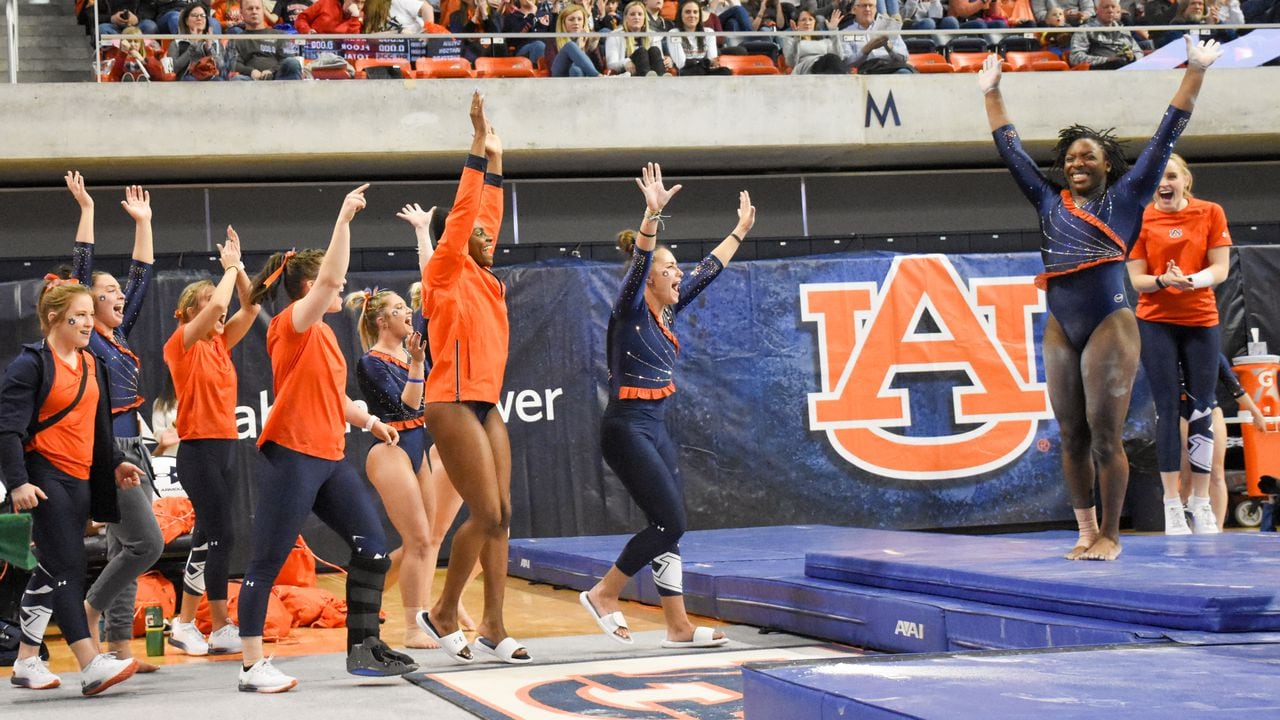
1104, 549
415, 638
685, 634
145, 667
1076, 552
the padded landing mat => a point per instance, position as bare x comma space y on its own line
1148, 681
705, 686
1214, 583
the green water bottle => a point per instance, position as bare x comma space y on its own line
155, 630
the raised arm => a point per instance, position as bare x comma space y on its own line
746, 220
451, 247
1200, 55
333, 269
199, 326
75, 183
656, 197
421, 221
137, 203
491, 194
989, 83
238, 326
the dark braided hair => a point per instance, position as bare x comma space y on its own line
1111, 146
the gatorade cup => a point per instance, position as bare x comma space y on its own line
1261, 450
155, 630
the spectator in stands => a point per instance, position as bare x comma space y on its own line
575, 57
528, 16
134, 62
1017, 13
194, 20
1078, 12
605, 16
1194, 12
632, 55
121, 14
409, 17
926, 15
284, 12
228, 14
476, 16
770, 15
1059, 43
1105, 49
696, 54
812, 55
1154, 12
653, 16
338, 17
976, 14
168, 12
733, 17
874, 55
262, 59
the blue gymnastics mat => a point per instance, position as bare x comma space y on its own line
1211, 583
1135, 681
756, 576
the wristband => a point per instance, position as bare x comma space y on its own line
648, 235
416, 380
1202, 279
735, 236
1160, 284
373, 420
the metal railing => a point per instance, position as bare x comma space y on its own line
11, 30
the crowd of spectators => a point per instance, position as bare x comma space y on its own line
867, 46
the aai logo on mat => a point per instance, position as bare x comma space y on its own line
925, 376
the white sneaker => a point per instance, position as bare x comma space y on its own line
187, 638
104, 671
1203, 521
1175, 520
263, 677
33, 674
225, 640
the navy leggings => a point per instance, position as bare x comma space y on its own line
1169, 351
56, 588
205, 472
289, 487
635, 444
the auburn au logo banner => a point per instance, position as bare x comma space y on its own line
924, 320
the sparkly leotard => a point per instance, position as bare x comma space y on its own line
1082, 246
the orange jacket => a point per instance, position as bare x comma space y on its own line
465, 304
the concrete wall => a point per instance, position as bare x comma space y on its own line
565, 127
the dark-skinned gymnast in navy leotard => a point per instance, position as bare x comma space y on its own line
1091, 344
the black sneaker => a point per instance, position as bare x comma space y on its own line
373, 658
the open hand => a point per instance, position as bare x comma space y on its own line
416, 216
746, 214
229, 252
989, 75
656, 196
75, 183
137, 202
1202, 54
479, 124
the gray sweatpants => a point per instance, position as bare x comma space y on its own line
133, 546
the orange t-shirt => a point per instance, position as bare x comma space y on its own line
1185, 237
68, 445
309, 377
204, 381
465, 304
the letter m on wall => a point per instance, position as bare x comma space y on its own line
882, 115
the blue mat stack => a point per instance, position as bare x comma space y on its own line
909, 592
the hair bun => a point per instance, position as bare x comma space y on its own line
627, 242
